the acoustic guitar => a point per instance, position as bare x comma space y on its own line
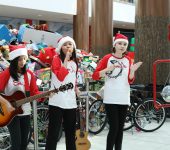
10, 106
82, 142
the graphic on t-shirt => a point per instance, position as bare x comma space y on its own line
117, 71
71, 69
16, 83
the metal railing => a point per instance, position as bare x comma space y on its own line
154, 83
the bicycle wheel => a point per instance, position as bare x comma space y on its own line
5, 140
129, 123
147, 117
97, 117
42, 121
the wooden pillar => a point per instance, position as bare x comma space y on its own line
81, 25
101, 26
151, 39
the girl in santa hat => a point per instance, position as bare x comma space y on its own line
62, 106
119, 72
13, 79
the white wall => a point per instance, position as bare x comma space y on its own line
61, 6
124, 12
121, 11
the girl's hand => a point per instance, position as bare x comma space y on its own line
110, 68
68, 54
135, 66
67, 58
103, 72
51, 95
78, 92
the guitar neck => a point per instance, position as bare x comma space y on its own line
81, 121
32, 98
62, 88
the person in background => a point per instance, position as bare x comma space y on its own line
0, 54
13, 79
119, 73
62, 105
10, 27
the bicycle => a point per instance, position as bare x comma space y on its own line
93, 98
42, 121
98, 119
135, 97
141, 113
147, 118
97, 115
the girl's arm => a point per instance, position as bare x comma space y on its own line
133, 69
59, 69
102, 68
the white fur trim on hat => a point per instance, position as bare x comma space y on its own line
64, 40
18, 52
120, 40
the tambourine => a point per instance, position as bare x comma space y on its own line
117, 71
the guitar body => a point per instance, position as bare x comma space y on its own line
82, 143
7, 109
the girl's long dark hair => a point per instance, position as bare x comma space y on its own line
13, 69
73, 57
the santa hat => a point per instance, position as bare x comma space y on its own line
120, 38
64, 40
16, 51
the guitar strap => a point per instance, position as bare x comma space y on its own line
27, 86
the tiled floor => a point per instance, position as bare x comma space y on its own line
133, 140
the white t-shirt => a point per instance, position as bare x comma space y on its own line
117, 88
14, 86
66, 99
